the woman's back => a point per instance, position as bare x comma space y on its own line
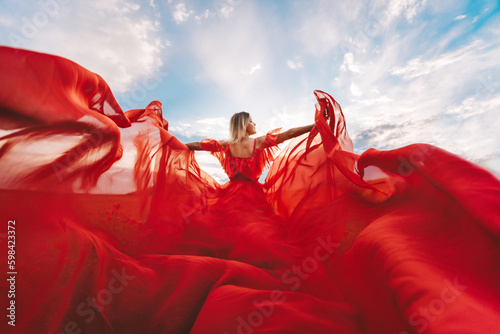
243, 149
245, 157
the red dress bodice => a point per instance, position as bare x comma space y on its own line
247, 168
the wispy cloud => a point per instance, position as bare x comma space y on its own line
206, 14
397, 8
293, 64
254, 69
417, 67
181, 14
348, 64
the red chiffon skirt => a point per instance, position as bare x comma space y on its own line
114, 228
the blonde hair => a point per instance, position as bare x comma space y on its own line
238, 126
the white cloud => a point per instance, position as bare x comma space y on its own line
206, 14
254, 69
226, 8
348, 64
459, 17
110, 38
417, 67
226, 11
468, 129
227, 61
322, 31
211, 165
207, 127
293, 64
449, 100
181, 14
355, 91
396, 8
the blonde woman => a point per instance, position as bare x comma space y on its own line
248, 228
243, 157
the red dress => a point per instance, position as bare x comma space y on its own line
248, 228
114, 228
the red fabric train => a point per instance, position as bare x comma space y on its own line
400, 241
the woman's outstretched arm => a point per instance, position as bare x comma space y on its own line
294, 132
195, 146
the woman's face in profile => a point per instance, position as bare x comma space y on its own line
251, 127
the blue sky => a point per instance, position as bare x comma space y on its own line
404, 71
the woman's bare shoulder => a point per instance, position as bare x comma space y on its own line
260, 141
223, 143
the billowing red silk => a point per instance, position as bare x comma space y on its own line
118, 230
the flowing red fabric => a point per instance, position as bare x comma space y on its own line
118, 230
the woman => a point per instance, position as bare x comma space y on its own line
243, 157
419, 256
248, 228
